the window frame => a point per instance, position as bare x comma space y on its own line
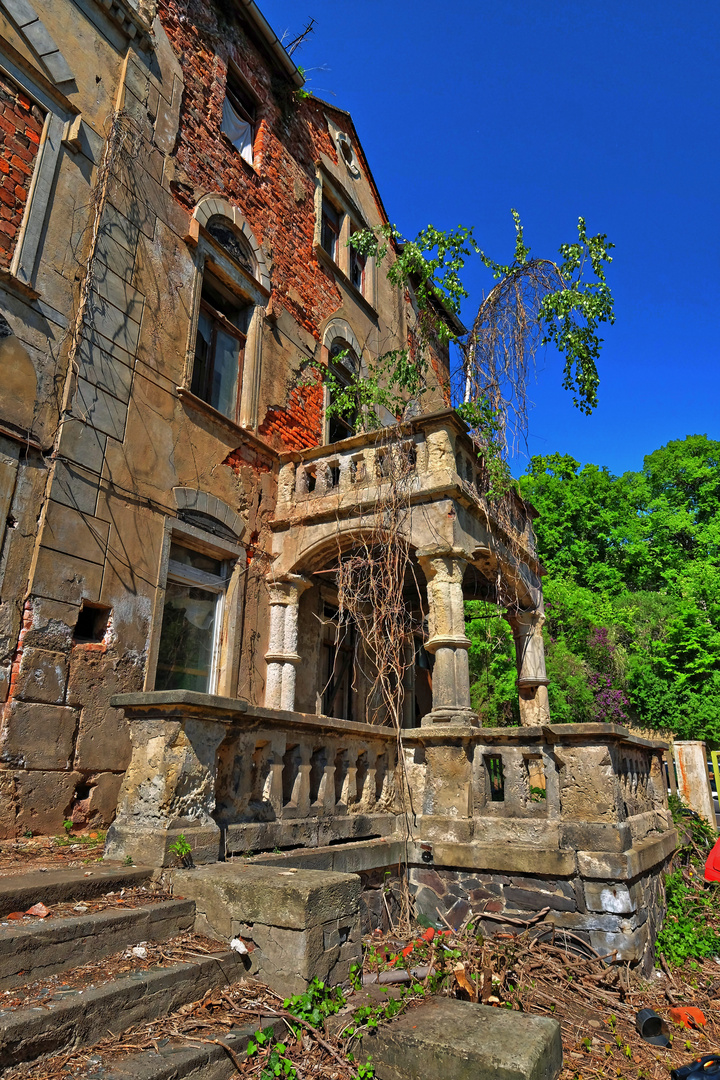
218, 319
235, 81
228, 620
329, 193
38, 205
212, 259
339, 344
190, 577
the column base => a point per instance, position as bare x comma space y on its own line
449, 714
151, 846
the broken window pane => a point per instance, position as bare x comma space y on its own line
218, 349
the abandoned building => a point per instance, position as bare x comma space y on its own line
175, 499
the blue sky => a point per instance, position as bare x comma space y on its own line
558, 109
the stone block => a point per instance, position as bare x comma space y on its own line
74, 533
44, 800
101, 410
84, 444
52, 625
536, 899
150, 846
608, 896
103, 741
276, 896
444, 1037
644, 855
36, 736
42, 676
8, 807
629, 947
75, 486
510, 858
99, 807
591, 836
63, 577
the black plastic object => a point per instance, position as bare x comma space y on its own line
703, 1069
651, 1027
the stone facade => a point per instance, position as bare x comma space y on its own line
116, 180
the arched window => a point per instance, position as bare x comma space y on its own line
233, 242
343, 365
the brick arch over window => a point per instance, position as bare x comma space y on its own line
211, 206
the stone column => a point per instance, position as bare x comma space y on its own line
446, 623
693, 777
532, 681
282, 656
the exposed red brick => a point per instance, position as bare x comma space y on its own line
20, 125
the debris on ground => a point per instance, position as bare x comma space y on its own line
51, 852
136, 896
141, 957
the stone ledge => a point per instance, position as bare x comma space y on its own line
643, 856
514, 858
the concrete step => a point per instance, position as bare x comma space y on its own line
81, 1018
20, 891
42, 948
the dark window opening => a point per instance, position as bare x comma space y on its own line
239, 116
496, 777
330, 229
219, 346
357, 270
236, 246
333, 476
339, 654
92, 622
343, 367
310, 480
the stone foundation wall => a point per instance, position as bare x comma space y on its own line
607, 915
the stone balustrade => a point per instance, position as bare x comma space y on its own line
568, 785
233, 778
430, 456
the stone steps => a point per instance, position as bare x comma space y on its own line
37, 950
180, 1062
20, 891
82, 1018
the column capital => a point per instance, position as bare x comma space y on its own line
448, 563
287, 589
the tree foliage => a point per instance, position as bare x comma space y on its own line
536, 302
632, 591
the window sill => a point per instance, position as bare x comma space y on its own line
14, 284
192, 401
355, 293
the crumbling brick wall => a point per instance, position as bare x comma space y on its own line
21, 124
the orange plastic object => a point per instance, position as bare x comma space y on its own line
689, 1017
712, 863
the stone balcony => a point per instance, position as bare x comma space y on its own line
328, 491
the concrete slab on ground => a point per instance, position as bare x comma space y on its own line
444, 1039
